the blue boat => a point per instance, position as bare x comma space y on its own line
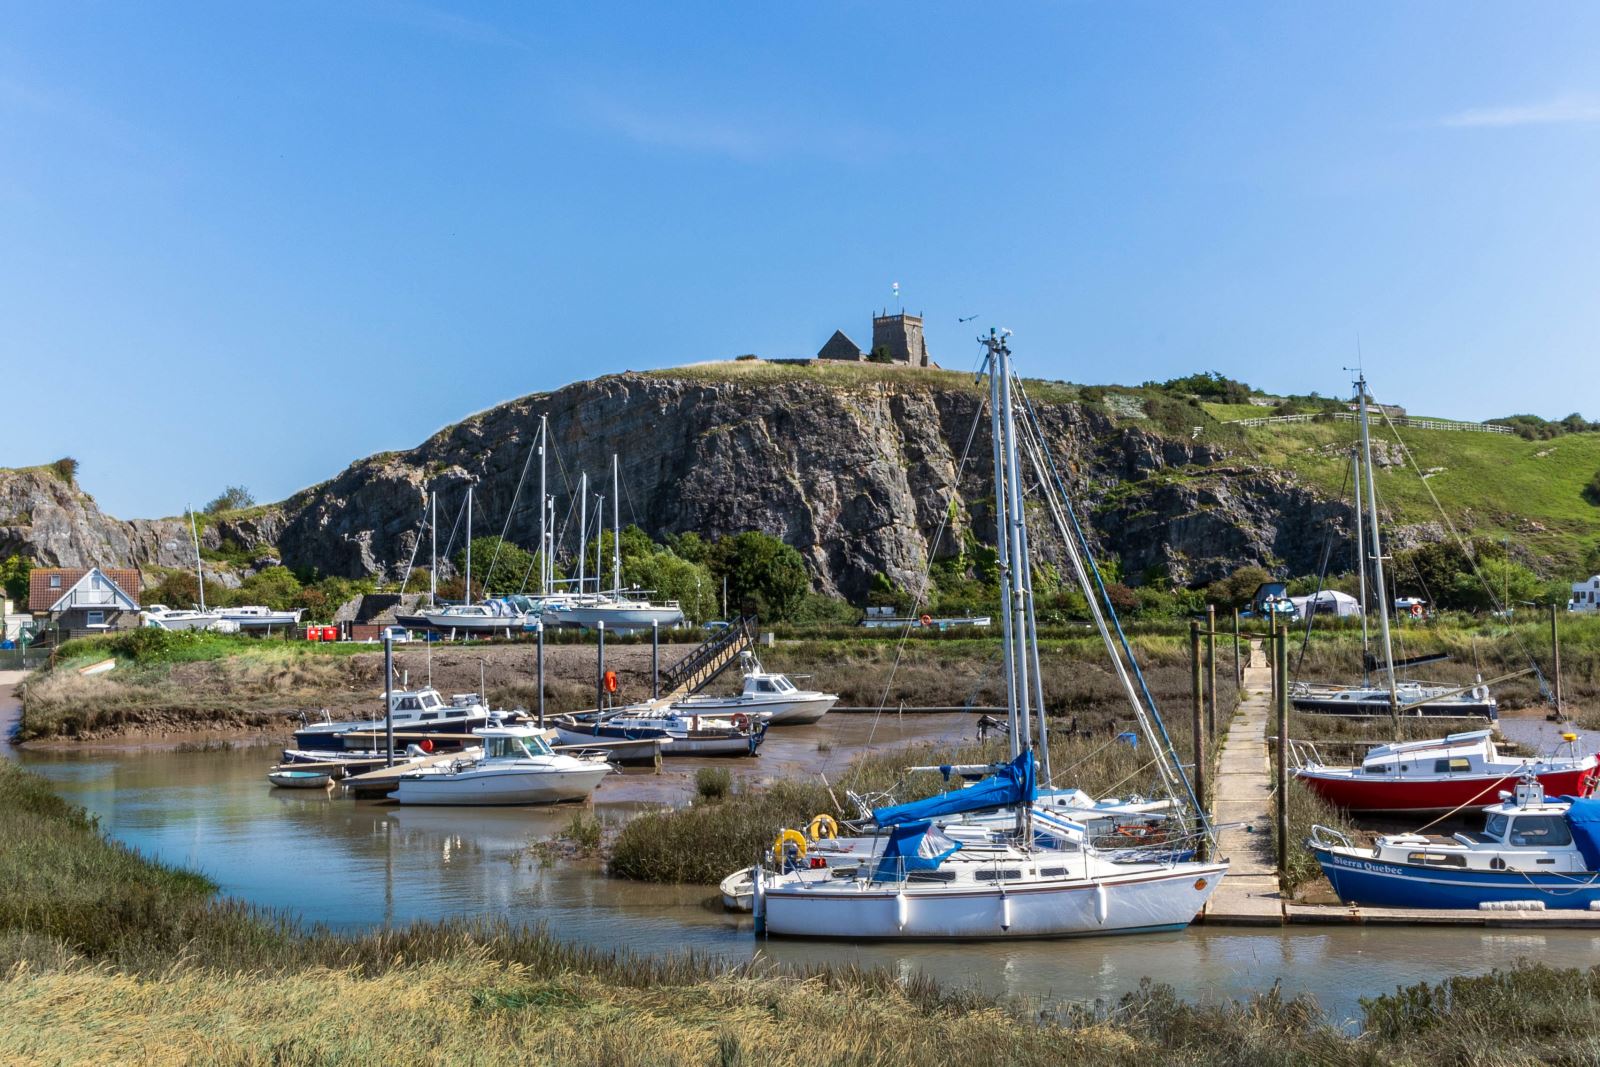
1531, 851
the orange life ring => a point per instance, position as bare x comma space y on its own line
926, 620
741, 721
1416, 611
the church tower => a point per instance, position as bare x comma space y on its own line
897, 338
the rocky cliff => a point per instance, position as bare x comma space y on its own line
855, 467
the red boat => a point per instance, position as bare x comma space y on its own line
1440, 775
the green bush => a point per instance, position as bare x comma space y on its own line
703, 844
712, 783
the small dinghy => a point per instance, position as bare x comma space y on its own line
300, 779
739, 890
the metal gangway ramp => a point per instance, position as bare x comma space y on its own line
696, 670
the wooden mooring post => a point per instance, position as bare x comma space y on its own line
1211, 674
1197, 717
1281, 690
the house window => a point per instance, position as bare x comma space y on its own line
96, 618
55, 581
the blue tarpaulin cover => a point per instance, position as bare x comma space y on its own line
1012, 783
1584, 818
905, 851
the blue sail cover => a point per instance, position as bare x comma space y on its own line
910, 849
1011, 784
1583, 816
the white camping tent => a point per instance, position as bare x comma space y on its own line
1327, 602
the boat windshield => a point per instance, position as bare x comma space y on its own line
431, 700
1495, 827
515, 747
783, 683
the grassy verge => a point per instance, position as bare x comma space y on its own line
105, 957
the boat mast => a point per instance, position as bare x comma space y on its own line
1379, 588
1001, 542
599, 540
1021, 632
433, 546
583, 523
616, 531
544, 557
199, 571
1361, 567
469, 544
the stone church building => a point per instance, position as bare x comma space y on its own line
896, 339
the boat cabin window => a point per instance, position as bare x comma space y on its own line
1454, 765
428, 715
764, 686
431, 700
1495, 827
406, 704
1437, 859
1376, 768
1540, 831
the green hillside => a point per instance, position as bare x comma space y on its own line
1490, 485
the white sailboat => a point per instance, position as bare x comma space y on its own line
925, 883
1393, 696
492, 616
161, 617
620, 610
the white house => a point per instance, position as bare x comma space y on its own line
1585, 595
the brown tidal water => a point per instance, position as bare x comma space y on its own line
355, 865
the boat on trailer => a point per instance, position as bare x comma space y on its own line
1443, 774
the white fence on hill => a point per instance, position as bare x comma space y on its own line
1403, 420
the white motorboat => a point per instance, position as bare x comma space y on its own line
259, 617
769, 696
161, 617
414, 711
1034, 873
517, 767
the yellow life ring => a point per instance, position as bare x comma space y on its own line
823, 825
786, 837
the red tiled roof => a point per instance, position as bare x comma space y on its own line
41, 594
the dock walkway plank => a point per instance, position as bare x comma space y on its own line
1242, 793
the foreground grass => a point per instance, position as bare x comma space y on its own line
105, 957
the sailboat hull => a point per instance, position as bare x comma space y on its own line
1355, 705
1162, 898
616, 619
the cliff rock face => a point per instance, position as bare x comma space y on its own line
858, 475
59, 525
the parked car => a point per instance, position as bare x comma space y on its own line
398, 635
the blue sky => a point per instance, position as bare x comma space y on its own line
249, 243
